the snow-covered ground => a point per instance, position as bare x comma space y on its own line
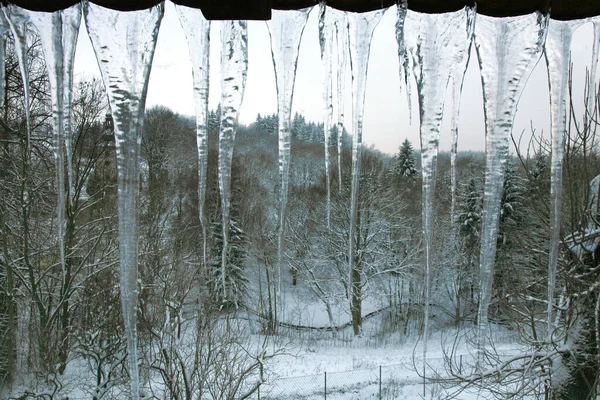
351, 369
381, 360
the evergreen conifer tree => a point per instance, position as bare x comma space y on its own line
235, 279
405, 165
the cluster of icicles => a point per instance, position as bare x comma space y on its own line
434, 48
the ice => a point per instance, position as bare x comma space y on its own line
404, 63
58, 35
592, 84
234, 68
557, 52
4, 28
326, 36
124, 44
361, 27
285, 31
508, 49
340, 21
18, 19
438, 46
197, 32
458, 77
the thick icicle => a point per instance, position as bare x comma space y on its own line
403, 60
361, 27
18, 19
197, 32
124, 44
285, 30
326, 35
438, 45
508, 49
234, 68
341, 35
58, 35
557, 51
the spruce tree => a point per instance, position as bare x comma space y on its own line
516, 235
512, 204
405, 165
468, 220
235, 279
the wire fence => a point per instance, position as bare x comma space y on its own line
383, 382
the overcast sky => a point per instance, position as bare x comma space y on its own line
386, 122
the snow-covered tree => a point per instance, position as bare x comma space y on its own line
470, 204
405, 164
230, 296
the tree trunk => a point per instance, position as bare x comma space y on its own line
356, 300
8, 306
356, 284
65, 315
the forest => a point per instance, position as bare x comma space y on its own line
202, 334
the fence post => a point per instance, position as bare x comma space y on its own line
380, 382
325, 387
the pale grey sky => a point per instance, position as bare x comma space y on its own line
386, 122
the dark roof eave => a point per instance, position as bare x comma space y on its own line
261, 9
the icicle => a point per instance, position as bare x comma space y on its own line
508, 49
197, 32
124, 44
458, 76
326, 35
341, 34
557, 51
438, 45
361, 27
17, 21
456, 93
4, 28
404, 62
285, 30
592, 85
58, 35
234, 68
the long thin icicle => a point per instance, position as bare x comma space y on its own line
592, 85
438, 46
234, 68
458, 77
341, 35
58, 35
508, 49
326, 36
557, 51
403, 60
124, 44
4, 29
18, 20
285, 31
197, 32
361, 27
